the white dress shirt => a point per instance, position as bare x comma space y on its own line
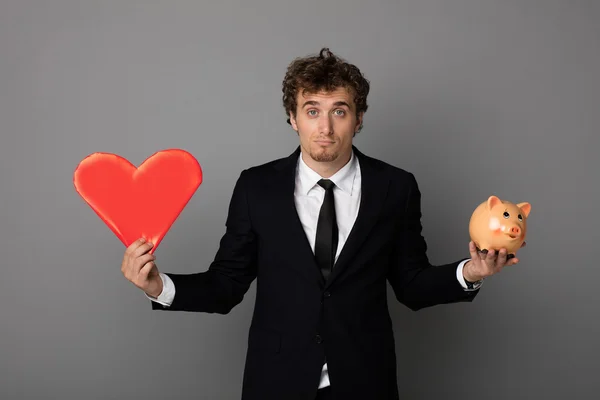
309, 197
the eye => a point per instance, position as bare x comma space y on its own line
340, 112
506, 214
520, 217
312, 111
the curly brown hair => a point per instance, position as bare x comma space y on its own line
326, 72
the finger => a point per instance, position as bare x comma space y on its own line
483, 254
490, 258
142, 249
133, 246
473, 250
145, 271
141, 261
512, 261
501, 261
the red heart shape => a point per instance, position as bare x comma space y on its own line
138, 202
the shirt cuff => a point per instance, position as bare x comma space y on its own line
461, 278
168, 293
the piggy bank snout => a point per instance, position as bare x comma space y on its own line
515, 230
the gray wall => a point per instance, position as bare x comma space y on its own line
474, 97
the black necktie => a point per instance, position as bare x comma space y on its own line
327, 231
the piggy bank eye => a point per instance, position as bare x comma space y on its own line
506, 214
520, 217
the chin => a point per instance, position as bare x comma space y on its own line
324, 155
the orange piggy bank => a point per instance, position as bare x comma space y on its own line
497, 224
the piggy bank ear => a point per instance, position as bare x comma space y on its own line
525, 207
492, 201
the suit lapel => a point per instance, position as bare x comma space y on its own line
283, 194
374, 189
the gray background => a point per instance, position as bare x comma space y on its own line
474, 97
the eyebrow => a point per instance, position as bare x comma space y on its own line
316, 103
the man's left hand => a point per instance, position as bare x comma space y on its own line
483, 265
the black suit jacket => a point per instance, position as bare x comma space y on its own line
299, 319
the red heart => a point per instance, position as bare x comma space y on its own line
138, 202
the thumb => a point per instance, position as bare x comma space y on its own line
473, 251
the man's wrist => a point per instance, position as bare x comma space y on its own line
155, 293
468, 276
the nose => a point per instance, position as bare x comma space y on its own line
325, 125
515, 230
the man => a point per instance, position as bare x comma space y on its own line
322, 231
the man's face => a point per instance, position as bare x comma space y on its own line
326, 123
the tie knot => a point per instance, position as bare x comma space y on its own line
326, 184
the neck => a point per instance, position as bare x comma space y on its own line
326, 169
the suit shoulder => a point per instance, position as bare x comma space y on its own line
260, 172
395, 173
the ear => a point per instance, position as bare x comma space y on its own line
359, 121
293, 122
525, 207
493, 201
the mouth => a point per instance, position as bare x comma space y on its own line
324, 142
512, 236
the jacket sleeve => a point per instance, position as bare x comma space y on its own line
416, 283
229, 276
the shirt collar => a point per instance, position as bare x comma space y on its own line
343, 179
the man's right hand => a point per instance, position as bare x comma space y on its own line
139, 268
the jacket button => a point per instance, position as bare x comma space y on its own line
318, 339
327, 294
